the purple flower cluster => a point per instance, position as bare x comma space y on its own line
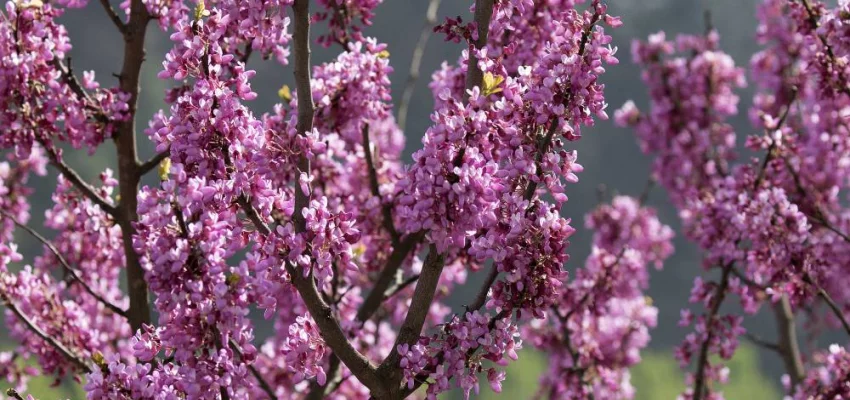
602, 320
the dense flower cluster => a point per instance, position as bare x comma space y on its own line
603, 319
41, 100
774, 226
308, 214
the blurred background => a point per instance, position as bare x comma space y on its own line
609, 154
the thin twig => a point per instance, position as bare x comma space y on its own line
702, 361
749, 282
116, 20
771, 149
70, 356
376, 296
401, 286
14, 394
416, 62
151, 164
386, 209
474, 75
788, 347
762, 343
71, 271
263, 384
834, 307
72, 176
481, 298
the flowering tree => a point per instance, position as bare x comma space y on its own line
308, 213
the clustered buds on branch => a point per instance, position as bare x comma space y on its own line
308, 213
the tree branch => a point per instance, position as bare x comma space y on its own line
763, 343
72, 176
788, 347
376, 191
263, 384
331, 331
306, 286
128, 164
481, 298
834, 307
116, 20
149, 165
64, 351
411, 328
71, 271
378, 293
702, 361
401, 286
483, 13
306, 108
416, 62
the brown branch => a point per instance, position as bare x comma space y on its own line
702, 361
771, 149
788, 347
128, 164
481, 298
253, 215
116, 20
411, 328
373, 301
74, 178
542, 148
263, 384
14, 394
71, 271
376, 190
832, 305
306, 108
762, 343
154, 161
416, 62
320, 311
72, 81
401, 286
378, 293
64, 351
331, 331
474, 75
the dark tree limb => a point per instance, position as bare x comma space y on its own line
64, 351
128, 164
74, 178
411, 328
386, 209
154, 161
788, 347
116, 20
263, 383
481, 298
483, 13
320, 311
71, 271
